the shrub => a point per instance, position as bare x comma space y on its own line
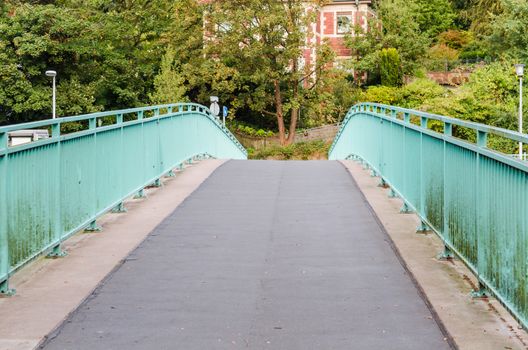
419, 91
382, 94
390, 67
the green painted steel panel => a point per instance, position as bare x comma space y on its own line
52, 188
474, 198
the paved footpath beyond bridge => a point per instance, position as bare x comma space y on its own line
264, 255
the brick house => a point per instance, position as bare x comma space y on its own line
333, 22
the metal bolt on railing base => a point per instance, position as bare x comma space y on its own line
481, 293
5, 290
422, 228
446, 254
120, 208
140, 194
56, 252
93, 227
405, 209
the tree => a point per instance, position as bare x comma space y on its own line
396, 27
433, 16
107, 54
169, 83
264, 41
508, 30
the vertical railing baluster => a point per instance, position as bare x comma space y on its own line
448, 131
57, 195
423, 123
120, 208
92, 122
482, 142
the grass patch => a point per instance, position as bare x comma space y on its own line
312, 150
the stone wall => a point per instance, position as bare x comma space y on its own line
449, 78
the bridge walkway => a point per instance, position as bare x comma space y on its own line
264, 255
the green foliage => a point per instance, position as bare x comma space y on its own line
169, 83
245, 129
396, 27
433, 16
419, 91
412, 95
490, 97
297, 151
508, 29
456, 39
382, 94
106, 55
390, 67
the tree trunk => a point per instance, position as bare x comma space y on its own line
279, 112
294, 114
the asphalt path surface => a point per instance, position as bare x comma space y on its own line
264, 255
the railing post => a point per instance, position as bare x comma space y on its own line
92, 123
4, 241
407, 117
448, 129
140, 115
120, 208
423, 122
482, 138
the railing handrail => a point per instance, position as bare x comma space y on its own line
181, 109
368, 107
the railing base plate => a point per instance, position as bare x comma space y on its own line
93, 227
5, 290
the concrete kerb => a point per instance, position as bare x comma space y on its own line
48, 290
446, 285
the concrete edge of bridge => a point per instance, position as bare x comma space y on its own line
445, 285
48, 290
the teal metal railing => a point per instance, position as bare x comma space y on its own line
52, 188
474, 198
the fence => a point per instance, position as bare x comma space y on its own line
474, 198
52, 188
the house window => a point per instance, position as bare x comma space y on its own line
344, 23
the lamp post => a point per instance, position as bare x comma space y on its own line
519, 70
53, 74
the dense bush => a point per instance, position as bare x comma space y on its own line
390, 67
297, 151
248, 130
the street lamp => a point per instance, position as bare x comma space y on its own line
53, 74
519, 69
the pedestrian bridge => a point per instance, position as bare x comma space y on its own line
265, 254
